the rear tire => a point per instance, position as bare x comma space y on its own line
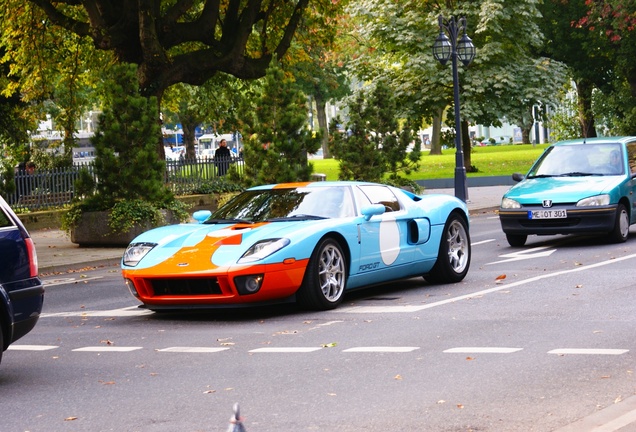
516, 240
621, 225
453, 258
325, 278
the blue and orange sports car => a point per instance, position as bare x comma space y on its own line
305, 241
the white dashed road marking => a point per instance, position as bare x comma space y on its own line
193, 349
107, 349
32, 347
123, 312
286, 350
382, 349
482, 350
564, 351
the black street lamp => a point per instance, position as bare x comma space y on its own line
443, 49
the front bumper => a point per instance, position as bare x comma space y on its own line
214, 288
579, 220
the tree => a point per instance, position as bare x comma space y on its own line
126, 165
586, 53
184, 41
397, 38
279, 140
54, 72
214, 103
373, 143
187, 41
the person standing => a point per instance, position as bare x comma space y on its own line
222, 157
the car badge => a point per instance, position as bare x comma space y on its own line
547, 203
183, 264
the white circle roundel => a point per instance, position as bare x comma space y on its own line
389, 241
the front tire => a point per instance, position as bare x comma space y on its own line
516, 240
453, 258
621, 225
325, 278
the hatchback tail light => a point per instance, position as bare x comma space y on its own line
33, 257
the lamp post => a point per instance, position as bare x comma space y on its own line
444, 49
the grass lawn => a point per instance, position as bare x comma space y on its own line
502, 160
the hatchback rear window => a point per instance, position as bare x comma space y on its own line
4, 220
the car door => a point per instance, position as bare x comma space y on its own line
384, 249
631, 157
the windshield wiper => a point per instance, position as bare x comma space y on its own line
540, 176
227, 221
577, 174
296, 217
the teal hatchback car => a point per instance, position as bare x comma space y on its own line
583, 186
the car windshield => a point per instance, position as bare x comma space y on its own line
580, 160
286, 204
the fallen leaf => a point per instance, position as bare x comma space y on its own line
329, 345
460, 406
500, 277
618, 399
606, 376
398, 377
107, 342
441, 401
578, 286
70, 418
331, 394
107, 382
209, 391
470, 358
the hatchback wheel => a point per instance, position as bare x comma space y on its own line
621, 225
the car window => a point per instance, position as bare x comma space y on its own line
4, 220
381, 195
268, 204
631, 155
583, 159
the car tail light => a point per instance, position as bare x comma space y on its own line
33, 257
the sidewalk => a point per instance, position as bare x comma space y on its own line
56, 253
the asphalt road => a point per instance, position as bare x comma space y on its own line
535, 339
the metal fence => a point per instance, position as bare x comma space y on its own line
43, 189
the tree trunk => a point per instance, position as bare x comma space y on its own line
584, 90
436, 148
321, 114
525, 134
188, 139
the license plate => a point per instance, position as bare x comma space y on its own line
547, 214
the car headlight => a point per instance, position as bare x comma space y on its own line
597, 200
263, 249
508, 203
135, 252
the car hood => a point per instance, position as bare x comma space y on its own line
561, 189
223, 244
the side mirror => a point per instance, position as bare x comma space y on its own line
518, 177
372, 210
201, 215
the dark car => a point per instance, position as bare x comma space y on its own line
21, 290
